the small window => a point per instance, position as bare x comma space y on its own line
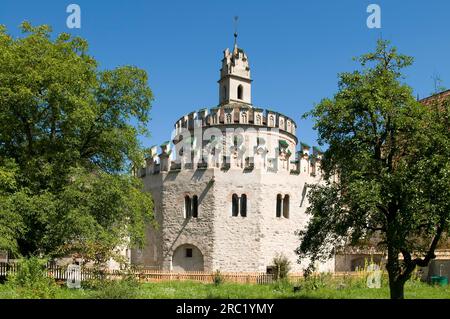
244, 205
187, 207
260, 141
286, 206
240, 92
188, 252
271, 121
235, 205
244, 118
224, 93
279, 204
195, 206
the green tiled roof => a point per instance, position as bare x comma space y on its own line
305, 145
317, 150
283, 143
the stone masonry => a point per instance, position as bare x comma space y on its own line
230, 188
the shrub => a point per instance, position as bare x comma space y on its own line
316, 281
31, 280
98, 279
218, 278
92, 284
126, 288
282, 267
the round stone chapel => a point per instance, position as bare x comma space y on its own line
230, 187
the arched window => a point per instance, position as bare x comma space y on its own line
244, 117
240, 92
235, 205
271, 121
187, 207
279, 204
258, 119
228, 118
195, 206
224, 93
286, 206
244, 205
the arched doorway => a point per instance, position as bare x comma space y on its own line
187, 257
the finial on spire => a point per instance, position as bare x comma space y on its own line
235, 31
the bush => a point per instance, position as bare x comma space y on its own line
282, 267
92, 284
126, 288
316, 281
218, 278
31, 280
98, 279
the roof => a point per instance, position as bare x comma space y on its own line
283, 143
434, 97
304, 145
316, 149
235, 104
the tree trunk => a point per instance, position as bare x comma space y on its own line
396, 283
396, 288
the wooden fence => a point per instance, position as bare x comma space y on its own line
59, 272
150, 275
208, 277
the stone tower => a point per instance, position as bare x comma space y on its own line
235, 83
230, 188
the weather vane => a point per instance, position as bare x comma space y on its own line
236, 18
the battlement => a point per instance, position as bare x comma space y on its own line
305, 162
236, 114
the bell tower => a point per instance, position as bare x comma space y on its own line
235, 82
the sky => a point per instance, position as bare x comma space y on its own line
296, 49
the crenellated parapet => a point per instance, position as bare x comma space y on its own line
305, 162
236, 114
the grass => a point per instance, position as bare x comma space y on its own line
191, 290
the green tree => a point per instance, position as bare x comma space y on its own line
387, 170
11, 224
68, 137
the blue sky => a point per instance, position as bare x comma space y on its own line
295, 48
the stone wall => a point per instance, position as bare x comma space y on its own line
226, 242
254, 154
